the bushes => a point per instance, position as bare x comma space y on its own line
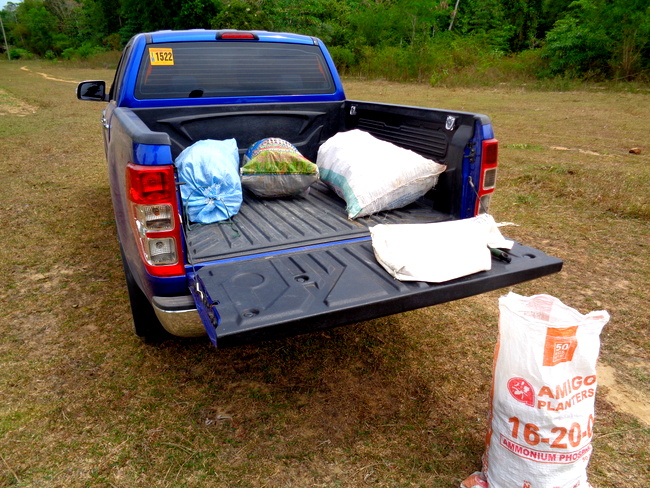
344, 59
603, 40
492, 40
86, 50
446, 60
576, 50
19, 53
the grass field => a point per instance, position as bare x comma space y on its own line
395, 402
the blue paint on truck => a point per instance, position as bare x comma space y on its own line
280, 266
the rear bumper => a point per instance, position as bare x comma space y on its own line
178, 316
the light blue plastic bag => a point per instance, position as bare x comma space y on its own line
212, 189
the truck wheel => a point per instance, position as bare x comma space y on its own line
146, 324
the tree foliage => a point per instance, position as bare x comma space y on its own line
601, 38
584, 38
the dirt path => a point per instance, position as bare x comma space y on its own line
623, 397
47, 77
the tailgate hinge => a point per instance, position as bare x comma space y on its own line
206, 307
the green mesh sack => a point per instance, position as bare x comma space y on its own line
275, 168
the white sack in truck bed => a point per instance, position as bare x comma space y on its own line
372, 175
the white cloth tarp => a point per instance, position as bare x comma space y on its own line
437, 252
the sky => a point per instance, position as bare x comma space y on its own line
5, 2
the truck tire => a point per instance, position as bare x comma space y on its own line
145, 323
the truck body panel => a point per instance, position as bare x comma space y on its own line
286, 265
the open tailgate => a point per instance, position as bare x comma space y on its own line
316, 287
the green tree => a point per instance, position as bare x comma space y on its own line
240, 14
325, 19
148, 16
552, 11
34, 28
99, 22
523, 16
508, 25
196, 14
575, 49
628, 26
601, 38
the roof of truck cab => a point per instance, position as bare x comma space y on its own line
211, 35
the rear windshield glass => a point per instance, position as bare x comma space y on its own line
227, 69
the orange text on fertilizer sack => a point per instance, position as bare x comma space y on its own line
546, 456
558, 437
567, 394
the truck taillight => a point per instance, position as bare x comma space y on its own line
162, 250
237, 35
487, 184
153, 212
150, 184
155, 217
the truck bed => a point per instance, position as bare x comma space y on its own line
288, 266
269, 225
291, 265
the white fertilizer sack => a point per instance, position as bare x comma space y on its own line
543, 394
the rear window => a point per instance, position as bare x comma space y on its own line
227, 69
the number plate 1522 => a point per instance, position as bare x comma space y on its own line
161, 56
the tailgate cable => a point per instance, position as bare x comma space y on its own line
195, 284
471, 184
499, 254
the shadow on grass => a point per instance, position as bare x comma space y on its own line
360, 395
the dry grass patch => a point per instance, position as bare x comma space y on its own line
394, 402
10, 105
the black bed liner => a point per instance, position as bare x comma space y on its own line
327, 286
289, 266
269, 225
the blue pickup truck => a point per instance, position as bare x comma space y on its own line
279, 266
